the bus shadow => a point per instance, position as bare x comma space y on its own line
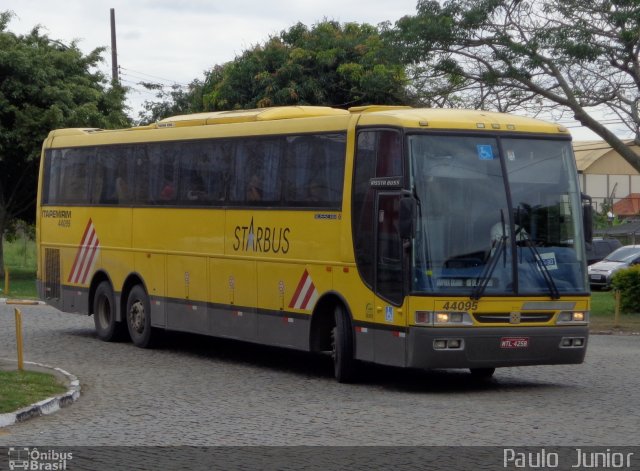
446, 381
320, 366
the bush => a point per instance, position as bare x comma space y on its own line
627, 281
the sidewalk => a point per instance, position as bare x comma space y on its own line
46, 406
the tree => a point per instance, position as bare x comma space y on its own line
328, 64
171, 102
560, 56
44, 85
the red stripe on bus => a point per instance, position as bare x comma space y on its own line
94, 249
303, 280
75, 262
310, 290
85, 250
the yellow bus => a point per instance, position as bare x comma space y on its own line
421, 238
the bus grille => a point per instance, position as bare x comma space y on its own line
52, 274
505, 317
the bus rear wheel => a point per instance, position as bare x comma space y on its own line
342, 347
139, 317
104, 314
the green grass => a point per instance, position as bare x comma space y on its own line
20, 253
21, 388
603, 314
22, 284
20, 260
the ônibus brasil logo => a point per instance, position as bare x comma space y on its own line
41, 460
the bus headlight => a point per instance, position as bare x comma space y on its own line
573, 317
452, 318
442, 318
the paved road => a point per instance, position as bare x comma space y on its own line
202, 391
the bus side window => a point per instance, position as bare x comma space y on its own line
110, 185
303, 183
390, 252
314, 170
218, 174
163, 173
194, 166
256, 176
245, 168
141, 176
52, 176
364, 205
389, 154
74, 172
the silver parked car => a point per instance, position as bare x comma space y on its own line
600, 273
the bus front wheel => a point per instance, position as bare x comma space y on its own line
342, 347
104, 314
139, 317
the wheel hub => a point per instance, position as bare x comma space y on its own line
136, 316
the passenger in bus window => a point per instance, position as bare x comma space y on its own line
196, 191
254, 189
122, 190
168, 191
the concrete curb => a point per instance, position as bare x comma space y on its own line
46, 406
22, 302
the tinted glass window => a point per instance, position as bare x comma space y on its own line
163, 173
379, 154
204, 169
111, 183
256, 168
243, 172
314, 170
140, 191
68, 175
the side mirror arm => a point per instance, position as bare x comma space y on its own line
408, 211
587, 217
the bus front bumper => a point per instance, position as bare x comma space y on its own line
464, 347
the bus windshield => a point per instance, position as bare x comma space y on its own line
496, 216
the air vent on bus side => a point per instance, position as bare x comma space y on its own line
52, 274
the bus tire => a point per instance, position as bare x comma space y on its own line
104, 314
342, 347
482, 373
139, 317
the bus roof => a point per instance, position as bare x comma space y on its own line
372, 115
439, 118
243, 116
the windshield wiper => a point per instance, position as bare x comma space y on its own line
553, 289
485, 277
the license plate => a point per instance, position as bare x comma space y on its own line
514, 342
595, 277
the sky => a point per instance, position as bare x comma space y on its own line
175, 41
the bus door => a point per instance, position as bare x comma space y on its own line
389, 250
378, 179
389, 340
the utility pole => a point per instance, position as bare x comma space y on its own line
114, 49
